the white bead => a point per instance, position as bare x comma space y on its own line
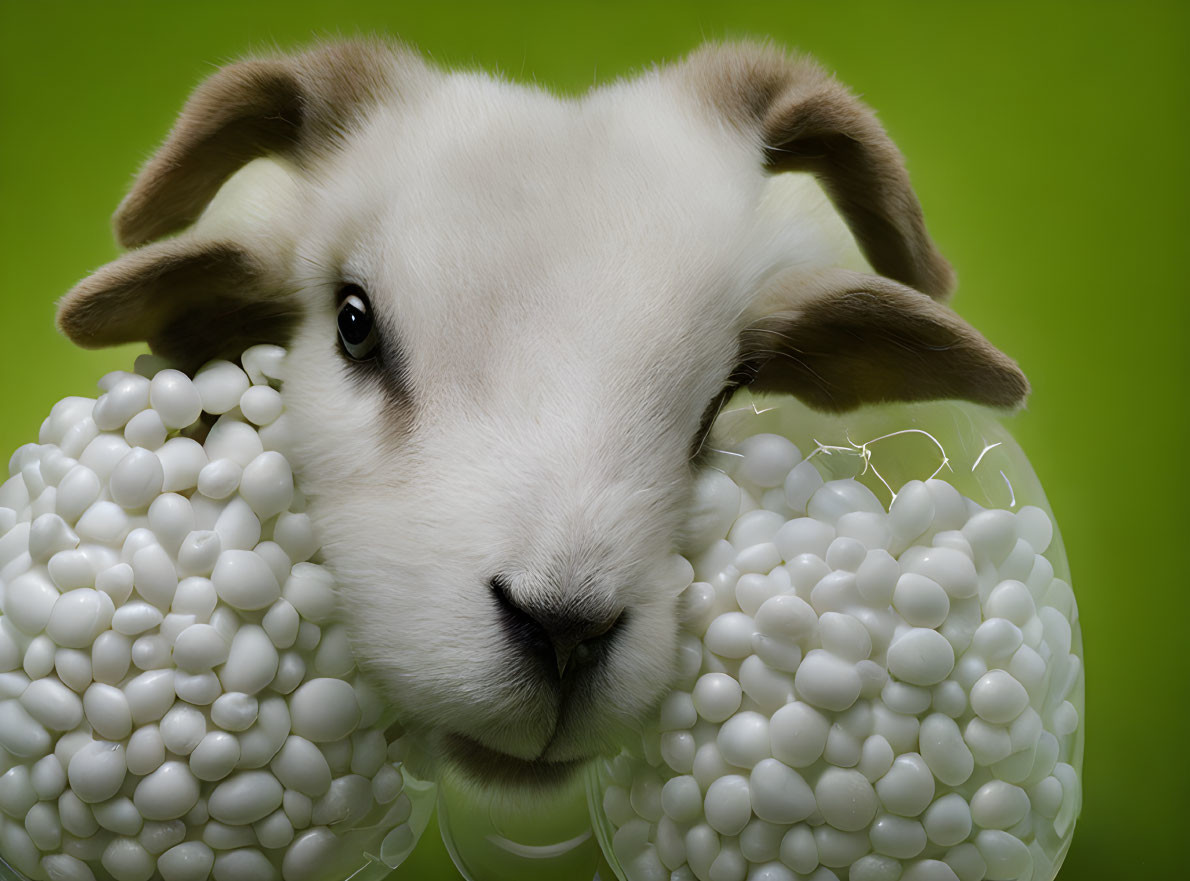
127, 860
951, 569
175, 398
199, 647
263, 362
295, 534
743, 739
999, 805
729, 635
1006, 855
838, 497
310, 589
111, 655
267, 484
71, 569
800, 484
245, 798
234, 711
149, 695
154, 575
219, 478
846, 799
97, 770
243, 580
182, 460
145, 429
388, 784
182, 729
76, 492
767, 460
261, 405
713, 508
827, 681
844, 637
944, 750
346, 802
215, 756
220, 384
135, 618
234, 440
167, 793
920, 656
908, 787
251, 661
29, 600
1010, 599
137, 479
324, 710
798, 734
52, 704
108, 711
198, 553
728, 804
79, 616
998, 698
779, 794
803, 535
121, 402
281, 623
312, 852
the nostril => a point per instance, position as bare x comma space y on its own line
555, 637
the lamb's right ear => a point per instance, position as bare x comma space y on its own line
190, 299
805, 120
297, 106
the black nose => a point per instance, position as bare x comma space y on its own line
555, 636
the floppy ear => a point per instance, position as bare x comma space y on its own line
219, 287
845, 339
297, 106
190, 299
804, 120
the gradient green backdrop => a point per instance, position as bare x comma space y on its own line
1048, 143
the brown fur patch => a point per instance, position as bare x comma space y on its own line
808, 121
298, 106
176, 295
854, 339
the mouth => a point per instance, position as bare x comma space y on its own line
485, 765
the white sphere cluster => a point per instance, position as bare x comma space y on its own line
177, 698
864, 694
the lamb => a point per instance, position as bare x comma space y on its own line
504, 376
511, 319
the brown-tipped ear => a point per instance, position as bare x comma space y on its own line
293, 105
851, 339
190, 300
808, 121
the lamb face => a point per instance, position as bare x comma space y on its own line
560, 292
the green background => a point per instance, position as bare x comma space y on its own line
1047, 143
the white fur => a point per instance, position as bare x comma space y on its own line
567, 279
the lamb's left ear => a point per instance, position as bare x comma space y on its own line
191, 299
802, 119
841, 339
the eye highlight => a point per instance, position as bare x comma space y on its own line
356, 323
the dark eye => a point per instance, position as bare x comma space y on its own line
357, 330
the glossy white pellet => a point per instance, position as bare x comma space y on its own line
827, 681
71, 569
135, 618
121, 402
245, 798
182, 460
920, 656
846, 799
182, 729
220, 384
174, 397
310, 589
79, 616
743, 739
234, 711
21, 734
798, 734
29, 600
243, 580
219, 478
998, 698
111, 656
146, 750
324, 710
167, 793
199, 647
137, 479
97, 771
146, 429
727, 804
149, 695
251, 661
